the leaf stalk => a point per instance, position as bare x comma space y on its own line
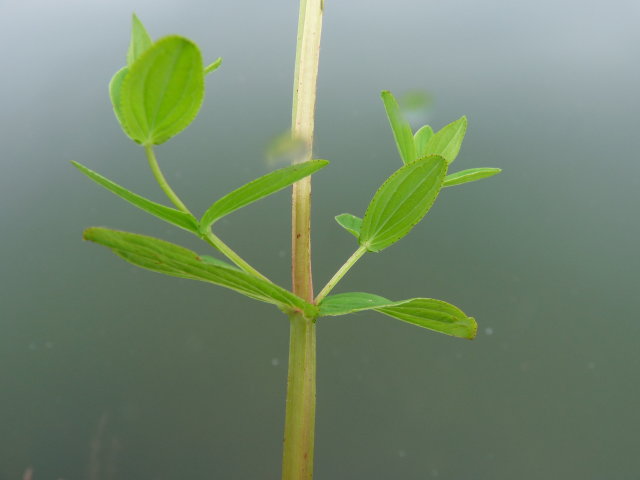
340, 273
162, 181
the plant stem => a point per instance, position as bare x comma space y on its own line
216, 242
340, 273
297, 458
162, 181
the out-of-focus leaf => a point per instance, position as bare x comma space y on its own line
163, 91
259, 188
400, 127
470, 175
212, 67
350, 223
176, 217
164, 257
401, 202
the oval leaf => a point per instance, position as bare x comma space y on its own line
350, 223
164, 257
448, 140
176, 217
428, 313
400, 127
163, 91
401, 202
259, 188
470, 175
140, 40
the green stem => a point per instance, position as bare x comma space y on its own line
299, 428
216, 242
162, 181
297, 457
340, 273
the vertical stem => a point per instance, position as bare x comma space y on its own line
304, 101
297, 458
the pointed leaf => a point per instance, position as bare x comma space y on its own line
140, 40
350, 223
212, 67
421, 138
448, 140
435, 315
401, 128
428, 313
164, 257
176, 217
401, 202
259, 188
115, 86
470, 175
163, 91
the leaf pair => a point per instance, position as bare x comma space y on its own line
164, 257
446, 142
241, 197
160, 91
428, 313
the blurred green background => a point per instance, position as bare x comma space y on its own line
109, 372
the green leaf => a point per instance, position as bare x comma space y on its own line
163, 91
216, 261
259, 188
428, 313
421, 138
212, 67
344, 303
435, 315
448, 140
470, 175
350, 223
401, 128
401, 202
115, 87
140, 40
164, 257
176, 217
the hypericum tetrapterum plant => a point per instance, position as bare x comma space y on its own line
158, 94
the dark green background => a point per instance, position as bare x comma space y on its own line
187, 380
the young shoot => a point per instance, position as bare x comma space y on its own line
159, 92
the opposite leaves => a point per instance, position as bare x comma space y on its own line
401, 202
